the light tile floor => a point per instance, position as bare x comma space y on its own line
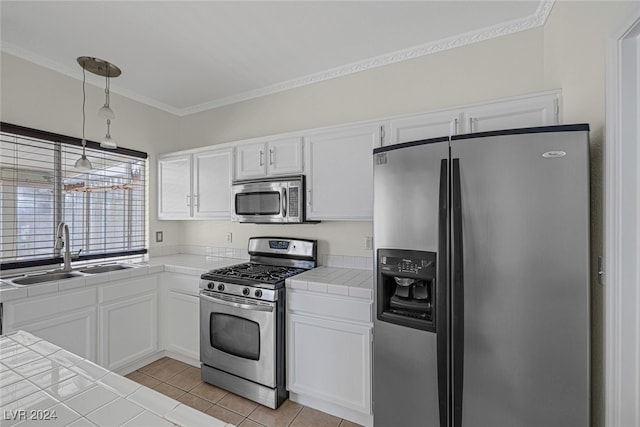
182, 382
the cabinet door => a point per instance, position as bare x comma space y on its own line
340, 173
251, 160
174, 187
66, 319
422, 126
212, 184
128, 330
183, 324
74, 332
344, 380
531, 111
285, 156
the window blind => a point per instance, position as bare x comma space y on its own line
105, 208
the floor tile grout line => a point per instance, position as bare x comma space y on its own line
167, 360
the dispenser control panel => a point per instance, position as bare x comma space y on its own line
405, 262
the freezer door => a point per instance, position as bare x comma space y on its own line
410, 386
406, 195
521, 307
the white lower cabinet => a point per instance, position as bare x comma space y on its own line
127, 330
329, 362
67, 320
180, 314
114, 323
183, 324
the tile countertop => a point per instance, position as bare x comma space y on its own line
335, 281
43, 384
193, 265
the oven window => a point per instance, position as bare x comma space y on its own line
235, 335
258, 203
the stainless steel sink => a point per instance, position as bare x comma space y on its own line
104, 268
47, 277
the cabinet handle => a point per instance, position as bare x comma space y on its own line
261, 157
188, 200
470, 125
454, 127
309, 198
195, 200
271, 156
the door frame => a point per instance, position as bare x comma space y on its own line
622, 226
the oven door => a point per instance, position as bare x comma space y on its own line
237, 335
260, 202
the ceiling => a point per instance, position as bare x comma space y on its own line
189, 56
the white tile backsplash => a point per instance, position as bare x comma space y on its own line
345, 261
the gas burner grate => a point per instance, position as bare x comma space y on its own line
263, 273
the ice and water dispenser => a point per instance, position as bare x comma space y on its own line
406, 288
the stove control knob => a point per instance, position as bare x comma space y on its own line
258, 293
210, 285
245, 291
220, 287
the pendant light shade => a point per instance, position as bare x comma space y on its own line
106, 112
83, 164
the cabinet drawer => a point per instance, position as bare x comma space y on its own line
181, 283
335, 307
127, 289
42, 307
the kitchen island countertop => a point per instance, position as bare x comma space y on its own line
43, 384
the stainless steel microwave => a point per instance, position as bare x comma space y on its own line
270, 200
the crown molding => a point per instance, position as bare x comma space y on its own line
538, 18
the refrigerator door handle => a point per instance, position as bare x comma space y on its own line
441, 297
457, 290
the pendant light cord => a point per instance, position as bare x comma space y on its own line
84, 99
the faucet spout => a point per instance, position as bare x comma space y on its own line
60, 244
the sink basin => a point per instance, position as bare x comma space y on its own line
47, 277
104, 268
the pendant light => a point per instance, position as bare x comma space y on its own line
83, 164
107, 70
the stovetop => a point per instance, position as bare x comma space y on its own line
272, 260
252, 273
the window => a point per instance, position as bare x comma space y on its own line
39, 186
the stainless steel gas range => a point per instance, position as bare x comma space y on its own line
242, 318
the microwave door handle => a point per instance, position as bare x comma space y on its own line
236, 304
284, 202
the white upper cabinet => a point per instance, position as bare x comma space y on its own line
422, 126
174, 187
528, 111
540, 109
340, 172
269, 158
212, 184
250, 161
195, 185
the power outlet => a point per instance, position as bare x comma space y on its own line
368, 242
229, 237
159, 236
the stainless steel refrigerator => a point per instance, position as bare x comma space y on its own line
482, 280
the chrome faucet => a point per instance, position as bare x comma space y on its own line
66, 256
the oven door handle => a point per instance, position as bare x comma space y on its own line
237, 304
